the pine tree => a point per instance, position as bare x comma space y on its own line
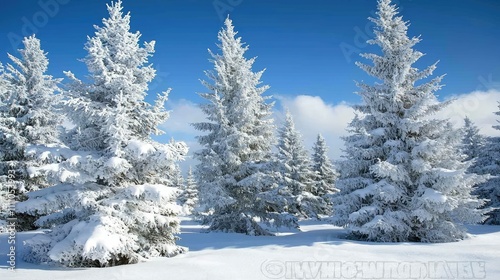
295, 174
325, 173
176, 177
472, 141
28, 119
404, 178
488, 162
189, 195
27, 112
236, 190
111, 202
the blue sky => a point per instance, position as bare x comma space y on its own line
308, 47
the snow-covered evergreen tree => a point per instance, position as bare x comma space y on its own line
472, 141
236, 190
189, 196
404, 178
483, 153
176, 177
295, 174
488, 162
27, 112
325, 173
111, 203
28, 118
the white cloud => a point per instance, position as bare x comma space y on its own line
182, 114
312, 116
479, 106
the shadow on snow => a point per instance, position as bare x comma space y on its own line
193, 237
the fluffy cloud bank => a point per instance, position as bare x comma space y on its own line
182, 114
313, 115
479, 106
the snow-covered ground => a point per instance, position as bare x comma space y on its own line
316, 252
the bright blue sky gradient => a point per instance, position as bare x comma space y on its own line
299, 42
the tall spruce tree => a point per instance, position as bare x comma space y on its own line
488, 162
325, 173
29, 117
176, 177
403, 178
111, 202
295, 174
27, 112
236, 189
189, 195
472, 141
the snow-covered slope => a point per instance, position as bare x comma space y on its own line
316, 252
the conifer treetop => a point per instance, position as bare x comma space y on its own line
404, 177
